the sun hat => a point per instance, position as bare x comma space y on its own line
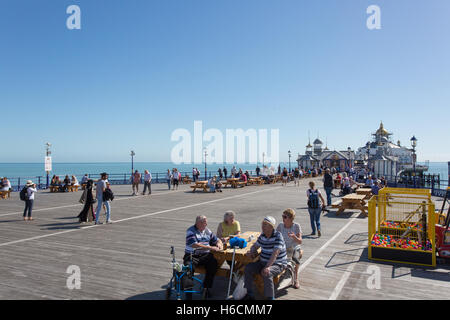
270, 220
29, 183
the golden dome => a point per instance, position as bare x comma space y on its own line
382, 131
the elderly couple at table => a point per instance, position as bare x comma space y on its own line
277, 246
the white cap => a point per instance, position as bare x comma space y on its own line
270, 220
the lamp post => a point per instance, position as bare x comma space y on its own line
263, 158
414, 144
206, 178
368, 154
289, 153
132, 154
48, 153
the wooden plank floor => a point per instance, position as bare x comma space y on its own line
130, 259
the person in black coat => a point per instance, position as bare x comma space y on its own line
88, 199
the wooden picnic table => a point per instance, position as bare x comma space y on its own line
351, 201
365, 191
234, 182
241, 260
256, 180
200, 185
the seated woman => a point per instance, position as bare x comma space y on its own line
346, 188
292, 235
243, 177
54, 181
5, 184
74, 181
229, 227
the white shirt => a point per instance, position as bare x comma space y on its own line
30, 192
147, 177
7, 187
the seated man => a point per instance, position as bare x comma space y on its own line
212, 184
85, 179
376, 187
218, 185
273, 259
369, 182
200, 241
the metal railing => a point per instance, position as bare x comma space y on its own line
17, 183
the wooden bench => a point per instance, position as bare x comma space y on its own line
5, 194
73, 188
241, 183
221, 272
336, 204
187, 180
54, 188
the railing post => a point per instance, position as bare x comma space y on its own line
18, 184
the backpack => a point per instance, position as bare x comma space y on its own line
24, 194
313, 200
108, 195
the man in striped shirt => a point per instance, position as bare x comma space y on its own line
272, 260
200, 241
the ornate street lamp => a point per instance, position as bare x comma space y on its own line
132, 154
206, 178
48, 153
289, 153
414, 144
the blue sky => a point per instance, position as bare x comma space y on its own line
137, 70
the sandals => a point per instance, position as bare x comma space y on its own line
296, 284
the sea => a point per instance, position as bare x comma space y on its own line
33, 171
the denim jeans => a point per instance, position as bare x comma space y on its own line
168, 182
314, 216
100, 204
212, 187
28, 207
328, 192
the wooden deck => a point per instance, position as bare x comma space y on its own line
130, 259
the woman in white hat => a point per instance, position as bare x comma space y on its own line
31, 190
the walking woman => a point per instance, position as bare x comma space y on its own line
285, 175
87, 214
29, 201
314, 207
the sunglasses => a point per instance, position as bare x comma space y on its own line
285, 217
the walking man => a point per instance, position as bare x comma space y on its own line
328, 185
101, 187
147, 182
